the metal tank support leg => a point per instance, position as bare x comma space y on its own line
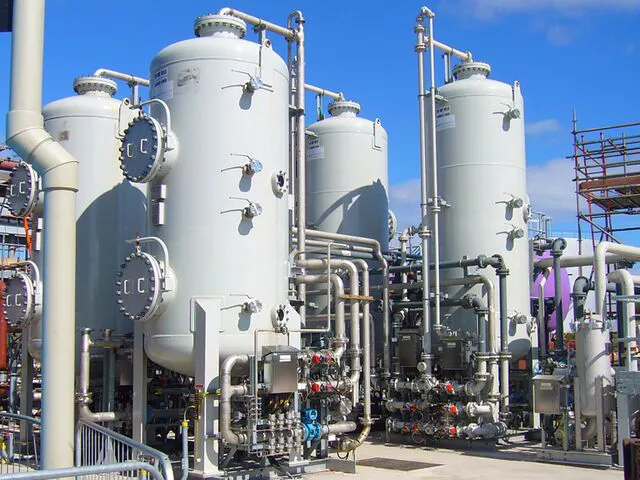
139, 419
205, 315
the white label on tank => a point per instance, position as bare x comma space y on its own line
285, 358
444, 118
314, 150
164, 90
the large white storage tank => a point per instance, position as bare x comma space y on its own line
222, 208
482, 176
109, 209
347, 179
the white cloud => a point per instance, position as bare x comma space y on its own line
404, 201
542, 126
550, 187
491, 8
552, 190
559, 35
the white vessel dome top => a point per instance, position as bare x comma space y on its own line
93, 84
219, 26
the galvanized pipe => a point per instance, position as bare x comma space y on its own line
27, 137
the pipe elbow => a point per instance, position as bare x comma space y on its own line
28, 138
557, 246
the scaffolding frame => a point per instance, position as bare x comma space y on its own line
607, 179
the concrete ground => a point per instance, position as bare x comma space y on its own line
441, 464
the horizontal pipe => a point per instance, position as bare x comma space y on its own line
568, 261
289, 34
326, 93
125, 77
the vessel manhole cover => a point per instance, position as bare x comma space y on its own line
395, 464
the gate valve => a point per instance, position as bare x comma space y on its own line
316, 359
453, 410
449, 388
453, 432
315, 387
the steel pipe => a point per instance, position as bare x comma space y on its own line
423, 231
626, 281
83, 397
338, 96
557, 248
227, 392
385, 292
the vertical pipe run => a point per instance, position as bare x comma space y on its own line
27, 137
423, 232
558, 246
504, 343
435, 197
300, 153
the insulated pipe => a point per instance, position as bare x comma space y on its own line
59, 170
542, 321
84, 396
385, 292
423, 231
227, 392
557, 248
325, 93
625, 280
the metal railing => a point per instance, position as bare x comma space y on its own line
140, 470
97, 445
19, 444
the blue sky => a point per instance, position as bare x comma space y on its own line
582, 54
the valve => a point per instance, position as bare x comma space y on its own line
253, 210
252, 167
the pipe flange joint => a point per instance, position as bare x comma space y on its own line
505, 355
339, 341
482, 377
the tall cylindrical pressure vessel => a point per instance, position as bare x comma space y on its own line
482, 178
109, 209
214, 151
347, 181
